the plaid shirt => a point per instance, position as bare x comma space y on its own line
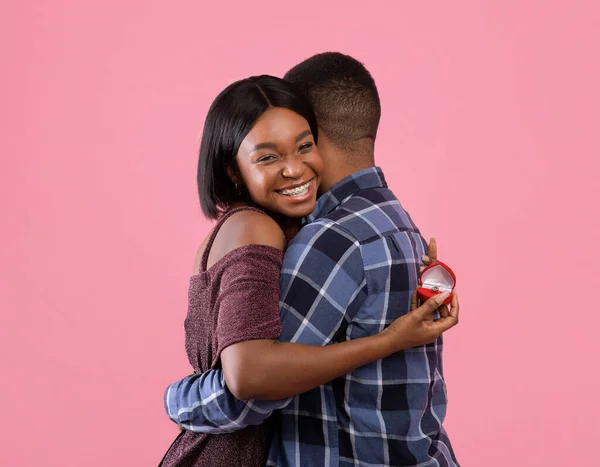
348, 274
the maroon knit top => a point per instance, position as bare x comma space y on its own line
236, 300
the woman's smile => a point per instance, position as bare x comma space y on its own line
298, 191
279, 163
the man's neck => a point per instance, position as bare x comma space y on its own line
340, 163
342, 170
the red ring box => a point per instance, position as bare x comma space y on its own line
435, 279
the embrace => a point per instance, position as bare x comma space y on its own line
308, 343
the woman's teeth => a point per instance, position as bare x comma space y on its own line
298, 191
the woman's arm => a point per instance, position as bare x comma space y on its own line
265, 369
260, 368
270, 370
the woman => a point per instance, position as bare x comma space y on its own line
258, 175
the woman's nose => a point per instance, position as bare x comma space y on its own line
293, 168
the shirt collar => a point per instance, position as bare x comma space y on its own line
365, 179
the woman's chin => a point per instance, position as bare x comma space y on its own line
298, 211
289, 207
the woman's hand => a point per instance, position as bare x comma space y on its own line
269, 370
418, 327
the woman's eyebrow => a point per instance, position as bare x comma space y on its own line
303, 135
269, 145
266, 145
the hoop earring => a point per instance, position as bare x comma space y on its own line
237, 188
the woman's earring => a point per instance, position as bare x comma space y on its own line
237, 187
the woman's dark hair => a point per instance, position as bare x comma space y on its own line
230, 118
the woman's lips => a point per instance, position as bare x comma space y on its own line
299, 192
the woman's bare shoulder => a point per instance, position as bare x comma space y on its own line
253, 228
242, 228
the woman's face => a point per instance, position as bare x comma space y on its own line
279, 163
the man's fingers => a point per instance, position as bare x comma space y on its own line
432, 250
432, 255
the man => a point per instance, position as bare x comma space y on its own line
390, 412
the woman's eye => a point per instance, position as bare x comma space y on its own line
305, 147
267, 158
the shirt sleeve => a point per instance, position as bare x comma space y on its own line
202, 403
322, 285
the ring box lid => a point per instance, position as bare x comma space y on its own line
438, 277
435, 279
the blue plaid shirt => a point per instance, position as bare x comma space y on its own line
348, 274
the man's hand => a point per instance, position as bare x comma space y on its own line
418, 326
432, 254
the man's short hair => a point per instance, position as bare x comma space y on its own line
343, 95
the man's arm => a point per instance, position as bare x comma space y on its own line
322, 282
203, 404
323, 285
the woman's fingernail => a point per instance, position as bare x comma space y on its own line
442, 296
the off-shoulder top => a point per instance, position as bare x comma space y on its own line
235, 300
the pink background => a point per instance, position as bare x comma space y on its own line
489, 138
